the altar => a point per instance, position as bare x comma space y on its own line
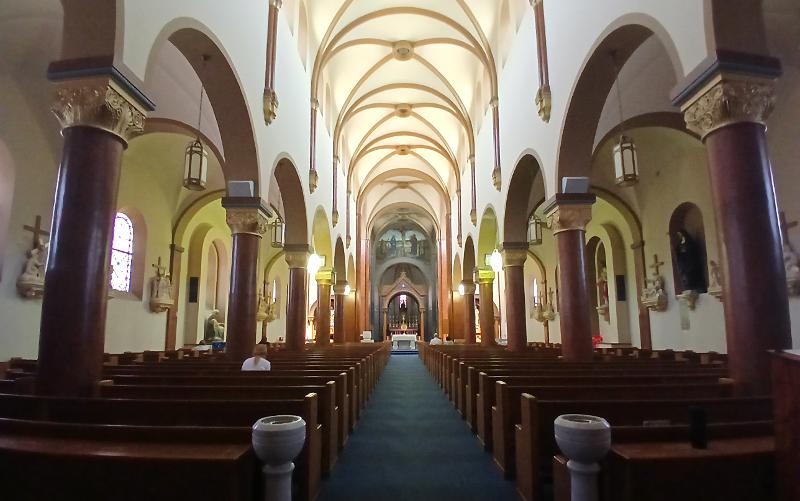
404, 342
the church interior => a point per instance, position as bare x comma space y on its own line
495, 249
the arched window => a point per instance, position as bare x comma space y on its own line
122, 253
688, 242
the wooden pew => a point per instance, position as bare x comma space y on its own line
328, 412
535, 442
169, 414
507, 411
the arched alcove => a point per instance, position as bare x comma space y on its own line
688, 245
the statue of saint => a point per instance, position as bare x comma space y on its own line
602, 287
689, 259
214, 330
414, 245
36, 263
161, 285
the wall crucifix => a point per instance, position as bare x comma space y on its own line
37, 231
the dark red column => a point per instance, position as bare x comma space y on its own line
323, 318
97, 120
486, 284
297, 259
248, 222
469, 312
568, 215
339, 296
514, 256
754, 280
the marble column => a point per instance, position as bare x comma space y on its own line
469, 311
729, 112
98, 116
514, 256
568, 215
339, 297
486, 284
322, 320
297, 259
247, 219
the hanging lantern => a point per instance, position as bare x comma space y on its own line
277, 232
534, 231
496, 261
626, 162
195, 171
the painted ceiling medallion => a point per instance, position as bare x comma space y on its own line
403, 50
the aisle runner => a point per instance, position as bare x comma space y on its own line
411, 444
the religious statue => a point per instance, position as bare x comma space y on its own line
214, 330
161, 297
414, 245
602, 294
30, 283
653, 296
393, 246
715, 280
689, 260
790, 262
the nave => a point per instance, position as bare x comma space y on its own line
412, 444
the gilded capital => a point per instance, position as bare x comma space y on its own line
730, 99
325, 277
247, 220
569, 218
544, 103
276, 3
485, 276
313, 181
497, 178
98, 103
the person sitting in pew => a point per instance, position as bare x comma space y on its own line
436, 340
257, 362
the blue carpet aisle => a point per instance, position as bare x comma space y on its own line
411, 444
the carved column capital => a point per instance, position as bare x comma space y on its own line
325, 276
729, 99
469, 287
340, 288
296, 256
514, 253
569, 211
246, 220
485, 276
276, 3
100, 103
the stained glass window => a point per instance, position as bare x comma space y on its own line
122, 253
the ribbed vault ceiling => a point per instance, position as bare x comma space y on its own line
403, 81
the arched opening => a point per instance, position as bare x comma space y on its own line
403, 313
689, 251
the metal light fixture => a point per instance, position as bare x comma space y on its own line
534, 231
626, 164
277, 232
195, 171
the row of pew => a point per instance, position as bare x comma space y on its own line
510, 400
179, 427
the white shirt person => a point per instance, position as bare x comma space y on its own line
257, 362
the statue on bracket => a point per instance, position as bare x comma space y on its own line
30, 283
714, 280
689, 260
792, 265
653, 296
602, 294
161, 298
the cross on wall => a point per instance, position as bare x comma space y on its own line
656, 264
37, 231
